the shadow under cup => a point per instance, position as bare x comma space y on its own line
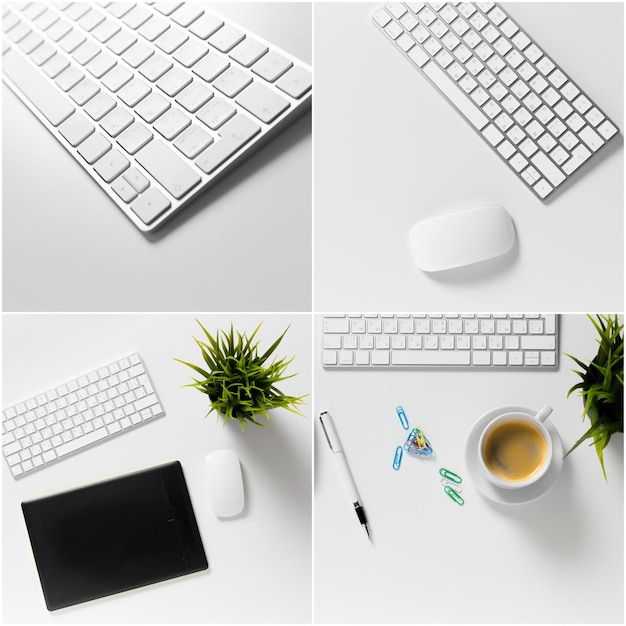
515, 450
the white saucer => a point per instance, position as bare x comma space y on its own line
511, 496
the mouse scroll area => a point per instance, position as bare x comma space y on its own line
462, 238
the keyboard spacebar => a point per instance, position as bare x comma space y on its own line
427, 357
81, 442
453, 92
41, 94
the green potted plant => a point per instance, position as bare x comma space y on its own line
240, 382
602, 385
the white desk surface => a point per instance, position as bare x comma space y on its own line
389, 152
557, 559
259, 562
68, 248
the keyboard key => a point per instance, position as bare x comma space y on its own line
155, 67
232, 81
116, 121
193, 141
76, 129
205, 26
124, 189
295, 82
134, 137
216, 113
168, 168
134, 91
111, 165
53, 106
117, 78
552, 173
190, 53
172, 123
210, 67
194, 96
226, 38
139, 182
248, 52
150, 205
151, 107
94, 147
174, 81
77, 444
84, 91
591, 138
233, 135
271, 66
99, 106
449, 88
412, 357
262, 102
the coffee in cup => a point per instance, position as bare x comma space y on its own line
515, 449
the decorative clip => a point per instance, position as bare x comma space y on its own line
403, 418
397, 459
417, 443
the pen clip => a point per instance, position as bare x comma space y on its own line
329, 430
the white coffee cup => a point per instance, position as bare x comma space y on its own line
515, 448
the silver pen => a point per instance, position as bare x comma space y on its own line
335, 445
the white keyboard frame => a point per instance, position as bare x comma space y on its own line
470, 366
268, 131
540, 183
82, 448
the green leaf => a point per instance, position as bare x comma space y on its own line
602, 385
240, 384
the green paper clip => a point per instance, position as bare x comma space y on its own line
454, 495
446, 473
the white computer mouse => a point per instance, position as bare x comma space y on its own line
462, 238
225, 483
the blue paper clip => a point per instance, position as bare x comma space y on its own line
397, 459
403, 418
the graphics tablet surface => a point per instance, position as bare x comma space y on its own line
113, 536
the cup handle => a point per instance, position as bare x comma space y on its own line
543, 413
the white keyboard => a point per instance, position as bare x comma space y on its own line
86, 410
452, 340
155, 100
533, 115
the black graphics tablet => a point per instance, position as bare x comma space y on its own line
113, 536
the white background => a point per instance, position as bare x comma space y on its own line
557, 559
244, 245
390, 151
259, 562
